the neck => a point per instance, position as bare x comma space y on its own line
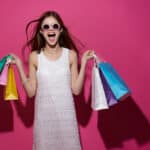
52, 49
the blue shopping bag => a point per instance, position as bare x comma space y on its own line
114, 80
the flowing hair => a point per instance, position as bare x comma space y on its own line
37, 41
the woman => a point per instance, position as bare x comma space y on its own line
53, 78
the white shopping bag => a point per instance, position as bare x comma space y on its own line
99, 100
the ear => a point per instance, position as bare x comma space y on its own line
61, 30
41, 32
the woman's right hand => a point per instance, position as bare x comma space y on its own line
16, 60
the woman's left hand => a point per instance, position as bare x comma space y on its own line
89, 54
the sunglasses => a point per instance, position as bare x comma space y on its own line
46, 27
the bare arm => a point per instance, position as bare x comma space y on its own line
29, 82
77, 79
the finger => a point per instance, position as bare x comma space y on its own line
11, 61
90, 57
88, 51
13, 56
91, 53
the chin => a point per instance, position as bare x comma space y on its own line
52, 44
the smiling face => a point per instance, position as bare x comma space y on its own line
51, 30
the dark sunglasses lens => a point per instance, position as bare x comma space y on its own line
46, 27
56, 26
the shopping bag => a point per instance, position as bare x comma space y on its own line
3, 75
114, 80
3, 61
99, 100
111, 100
10, 89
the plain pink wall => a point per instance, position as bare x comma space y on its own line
118, 30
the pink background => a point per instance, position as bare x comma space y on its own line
119, 31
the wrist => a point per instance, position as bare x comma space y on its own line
83, 62
19, 65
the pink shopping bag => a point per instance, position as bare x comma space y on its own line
3, 75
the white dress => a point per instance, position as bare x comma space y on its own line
55, 125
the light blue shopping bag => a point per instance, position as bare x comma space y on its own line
114, 80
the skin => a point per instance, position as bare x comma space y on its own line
53, 51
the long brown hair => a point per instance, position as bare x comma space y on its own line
37, 41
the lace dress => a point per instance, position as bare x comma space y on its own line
55, 125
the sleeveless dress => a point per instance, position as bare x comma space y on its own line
55, 125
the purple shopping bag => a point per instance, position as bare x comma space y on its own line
109, 95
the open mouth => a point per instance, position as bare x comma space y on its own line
51, 35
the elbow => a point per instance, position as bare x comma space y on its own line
31, 94
76, 92
30, 89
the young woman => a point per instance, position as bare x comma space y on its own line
53, 78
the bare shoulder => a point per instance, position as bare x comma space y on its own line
72, 53
72, 56
33, 58
33, 54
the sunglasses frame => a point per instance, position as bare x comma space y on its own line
52, 26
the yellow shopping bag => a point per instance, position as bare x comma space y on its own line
10, 92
